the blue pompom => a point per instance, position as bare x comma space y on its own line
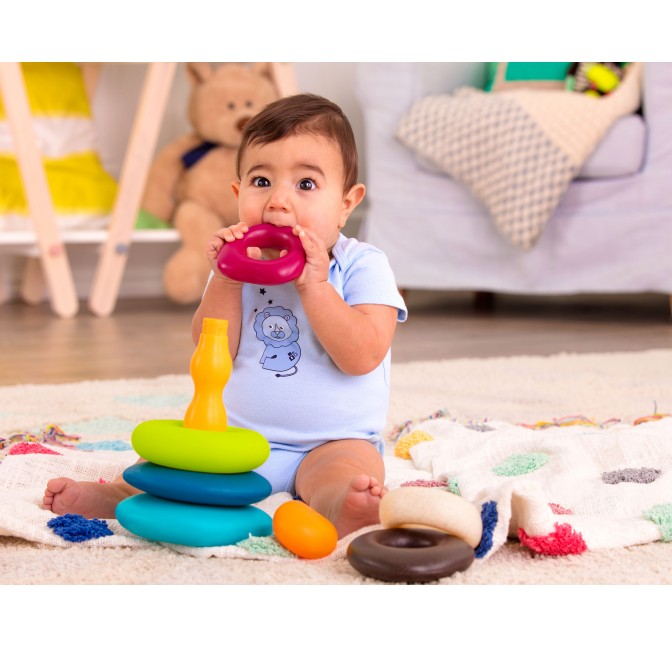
489, 516
76, 528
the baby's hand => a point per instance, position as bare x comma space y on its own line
220, 238
316, 269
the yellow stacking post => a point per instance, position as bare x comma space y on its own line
210, 369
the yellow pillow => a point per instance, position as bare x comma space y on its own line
79, 184
54, 89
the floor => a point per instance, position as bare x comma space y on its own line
147, 338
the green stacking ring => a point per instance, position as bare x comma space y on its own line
169, 443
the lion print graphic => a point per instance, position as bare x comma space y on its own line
277, 328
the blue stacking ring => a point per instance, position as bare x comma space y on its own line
236, 489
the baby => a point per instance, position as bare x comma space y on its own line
311, 357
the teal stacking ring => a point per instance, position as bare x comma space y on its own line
193, 525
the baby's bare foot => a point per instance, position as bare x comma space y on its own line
90, 499
359, 505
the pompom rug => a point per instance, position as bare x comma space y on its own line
567, 457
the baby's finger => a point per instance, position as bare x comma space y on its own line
239, 230
308, 239
254, 253
226, 234
230, 234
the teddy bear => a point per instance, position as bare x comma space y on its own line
189, 182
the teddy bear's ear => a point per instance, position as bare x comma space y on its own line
199, 72
262, 69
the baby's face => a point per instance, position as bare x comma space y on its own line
294, 181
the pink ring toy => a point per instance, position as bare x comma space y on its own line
234, 263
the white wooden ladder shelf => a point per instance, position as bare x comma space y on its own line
53, 265
54, 261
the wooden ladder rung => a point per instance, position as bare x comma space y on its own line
138, 158
53, 256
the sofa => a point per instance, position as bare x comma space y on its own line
611, 232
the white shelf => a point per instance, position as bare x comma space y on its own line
27, 237
24, 242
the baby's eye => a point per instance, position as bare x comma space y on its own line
307, 184
260, 181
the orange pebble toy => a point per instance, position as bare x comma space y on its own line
303, 531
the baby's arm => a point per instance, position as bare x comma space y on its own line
357, 338
223, 296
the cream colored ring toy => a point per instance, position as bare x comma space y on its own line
434, 508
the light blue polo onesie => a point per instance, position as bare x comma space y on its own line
285, 386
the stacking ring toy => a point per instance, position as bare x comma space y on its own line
234, 263
413, 506
168, 443
408, 555
303, 530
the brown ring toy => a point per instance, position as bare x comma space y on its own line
409, 555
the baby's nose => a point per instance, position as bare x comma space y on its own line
279, 200
278, 207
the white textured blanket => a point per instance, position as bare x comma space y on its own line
518, 150
614, 479
560, 488
83, 431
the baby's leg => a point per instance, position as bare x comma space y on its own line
90, 499
343, 480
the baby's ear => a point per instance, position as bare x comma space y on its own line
352, 198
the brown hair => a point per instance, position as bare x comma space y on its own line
303, 114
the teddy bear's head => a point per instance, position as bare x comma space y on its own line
225, 98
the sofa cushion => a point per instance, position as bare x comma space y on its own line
620, 152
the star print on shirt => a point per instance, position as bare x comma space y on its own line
262, 291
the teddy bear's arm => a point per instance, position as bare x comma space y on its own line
160, 196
